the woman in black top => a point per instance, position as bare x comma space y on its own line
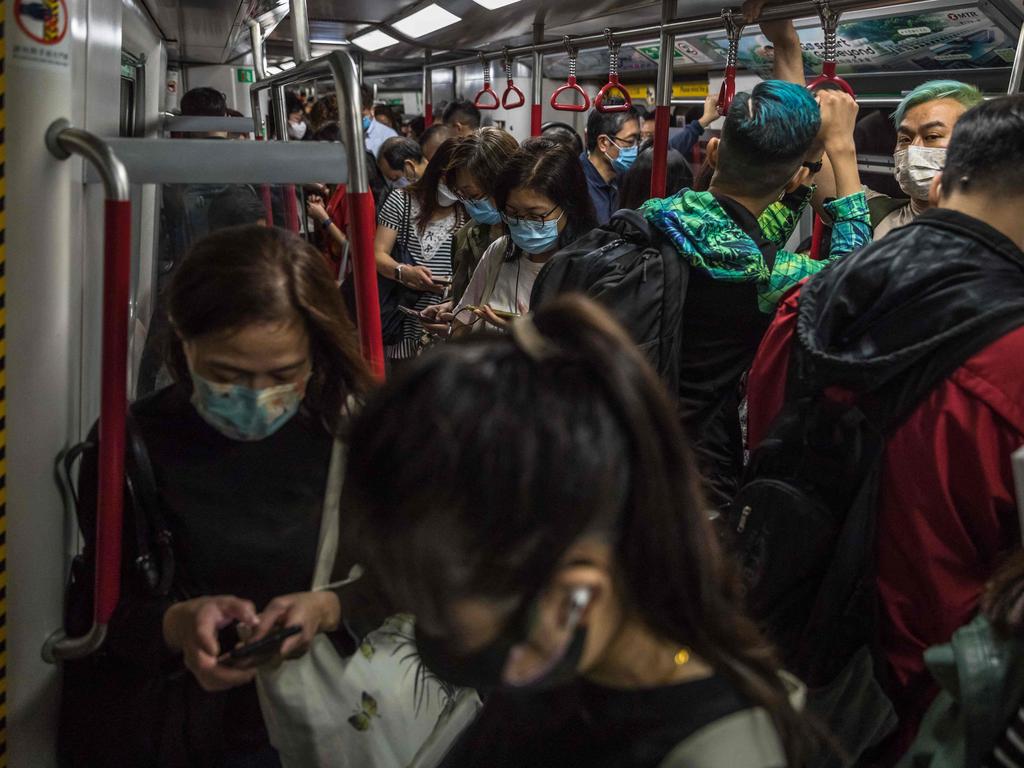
556, 551
265, 360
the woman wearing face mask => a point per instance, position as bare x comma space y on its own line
543, 199
297, 125
264, 360
558, 555
417, 224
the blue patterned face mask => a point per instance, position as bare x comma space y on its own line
366, 123
482, 211
534, 236
246, 414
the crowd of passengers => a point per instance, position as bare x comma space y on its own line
520, 549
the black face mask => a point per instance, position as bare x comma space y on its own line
484, 670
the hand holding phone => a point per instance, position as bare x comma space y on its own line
259, 652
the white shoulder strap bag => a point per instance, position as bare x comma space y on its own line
375, 709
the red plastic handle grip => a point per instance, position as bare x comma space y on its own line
363, 218
117, 243
572, 86
828, 76
610, 88
486, 91
509, 92
727, 92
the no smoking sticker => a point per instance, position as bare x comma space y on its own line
41, 34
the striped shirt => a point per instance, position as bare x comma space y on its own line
431, 248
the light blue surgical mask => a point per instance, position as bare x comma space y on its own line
482, 211
366, 123
246, 414
534, 236
627, 156
400, 183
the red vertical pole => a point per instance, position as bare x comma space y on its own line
535, 120
428, 115
364, 265
291, 209
117, 243
537, 85
659, 169
817, 237
268, 204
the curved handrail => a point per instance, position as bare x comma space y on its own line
570, 83
511, 90
487, 90
613, 85
733, 22
829, 28
62, 140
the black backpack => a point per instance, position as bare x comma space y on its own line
630, 268
802, 528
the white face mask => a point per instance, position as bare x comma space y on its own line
297, 130
445, 198
916, 167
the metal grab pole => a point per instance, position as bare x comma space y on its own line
1018, 66
300, 31
663, 99
538, 86
362, 211
62, 140
428, 92
259, 61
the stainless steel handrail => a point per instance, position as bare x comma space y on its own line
300, 30
259, 54
1018, 66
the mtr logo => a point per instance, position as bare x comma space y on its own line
45, 21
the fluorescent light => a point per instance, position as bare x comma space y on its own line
490, 5
374, 40
430, 19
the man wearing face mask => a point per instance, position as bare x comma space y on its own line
297, 125
924, 122
375, 133
401, 161
613, 140
942, 298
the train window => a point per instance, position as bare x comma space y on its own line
132, 88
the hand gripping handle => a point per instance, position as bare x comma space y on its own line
828, 77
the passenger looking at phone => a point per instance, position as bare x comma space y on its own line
739, 267
558, 555
264, 360
415, 235
924, 122
543, 200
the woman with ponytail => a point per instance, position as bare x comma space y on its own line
555, 549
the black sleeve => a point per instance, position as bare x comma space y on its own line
135, 632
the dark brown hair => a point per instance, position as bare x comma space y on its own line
254, 274
424, 191
483, 155
1003, 600
528, 453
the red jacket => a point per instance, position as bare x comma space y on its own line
947, 509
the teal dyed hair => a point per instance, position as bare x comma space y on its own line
766, 136
963, 93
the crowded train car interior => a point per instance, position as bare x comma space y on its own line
414, 383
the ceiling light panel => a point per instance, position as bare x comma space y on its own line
491, 5
374, 41
423, 22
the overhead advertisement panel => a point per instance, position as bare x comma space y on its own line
955, 37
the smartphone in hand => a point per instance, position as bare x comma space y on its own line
259, 652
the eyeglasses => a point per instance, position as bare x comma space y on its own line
463, 197
537, 220
624, 143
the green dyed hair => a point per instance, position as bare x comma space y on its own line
933, 90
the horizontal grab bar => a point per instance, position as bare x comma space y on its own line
221, 161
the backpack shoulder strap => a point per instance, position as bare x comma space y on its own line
880, 207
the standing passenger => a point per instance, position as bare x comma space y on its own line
433, 137
613, 139
421, 221
264, 360
462, 117
543, 201
375, 132
556, 551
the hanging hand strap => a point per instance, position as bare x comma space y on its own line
570, 84
734, 30
486, 90
830, 26
613, 86
511, 91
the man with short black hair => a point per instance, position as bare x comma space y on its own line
945, 290
433, 137
462, 117
375, 132
401, 161
613, 140
204, 102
